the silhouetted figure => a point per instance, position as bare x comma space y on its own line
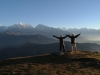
62, 45
73, 41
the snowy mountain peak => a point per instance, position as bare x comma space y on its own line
21, 25
24, 25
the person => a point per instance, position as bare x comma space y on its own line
73, 41
62, 45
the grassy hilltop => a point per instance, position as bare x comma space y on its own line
81, 63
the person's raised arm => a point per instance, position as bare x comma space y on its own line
65, 36
77, 35
55, 36
68, 36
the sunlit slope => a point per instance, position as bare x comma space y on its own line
87, 63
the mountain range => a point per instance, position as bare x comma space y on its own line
88, 35
26, 29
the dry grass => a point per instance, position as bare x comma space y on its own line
81, 63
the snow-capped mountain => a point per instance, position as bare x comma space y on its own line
21, 25
26, 29
20, 28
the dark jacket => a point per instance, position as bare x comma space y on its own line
73, 40
60, 39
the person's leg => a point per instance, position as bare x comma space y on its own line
60, 48
72, 48
64, 48
75, 48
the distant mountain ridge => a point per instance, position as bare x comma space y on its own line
12, 41
42, 27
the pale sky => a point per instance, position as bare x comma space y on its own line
53, 13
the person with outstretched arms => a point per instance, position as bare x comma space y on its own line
73, 41
62, 45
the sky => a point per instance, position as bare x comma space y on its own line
52, 13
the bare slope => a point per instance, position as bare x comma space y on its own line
81, 63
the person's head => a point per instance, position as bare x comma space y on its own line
61, 36
73, 34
